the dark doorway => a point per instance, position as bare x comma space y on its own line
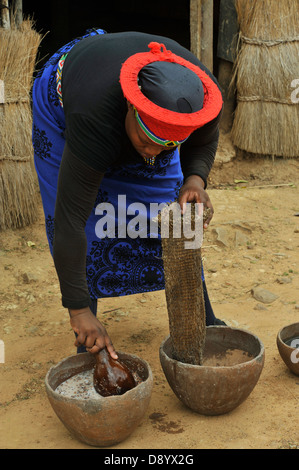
61, 21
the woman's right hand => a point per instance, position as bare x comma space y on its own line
91, 333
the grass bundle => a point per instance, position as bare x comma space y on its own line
18, 190
266, 119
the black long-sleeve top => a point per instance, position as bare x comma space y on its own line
95, 111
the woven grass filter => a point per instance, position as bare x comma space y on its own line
18, 189
183, 288
266, 118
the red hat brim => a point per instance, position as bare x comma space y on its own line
162, 122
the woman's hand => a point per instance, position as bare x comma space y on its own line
193, 191
91, 333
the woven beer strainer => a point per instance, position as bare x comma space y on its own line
183, 288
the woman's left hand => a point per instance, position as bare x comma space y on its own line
193, 191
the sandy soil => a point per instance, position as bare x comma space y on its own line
252, 240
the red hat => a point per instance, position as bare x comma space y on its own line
162, 122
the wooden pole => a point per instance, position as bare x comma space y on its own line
207, 10
225, 73
17, 8
195, 27
226, 55
5, 21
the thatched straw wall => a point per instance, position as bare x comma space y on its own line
18, 195
266, 119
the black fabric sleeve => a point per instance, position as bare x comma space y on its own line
78, 185
197, 154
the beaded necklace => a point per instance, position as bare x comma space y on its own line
150, 160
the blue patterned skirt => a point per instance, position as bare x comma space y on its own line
114, 266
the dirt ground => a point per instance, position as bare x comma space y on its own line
253, 240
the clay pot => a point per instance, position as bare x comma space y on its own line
289, 354
103, 421
218, 389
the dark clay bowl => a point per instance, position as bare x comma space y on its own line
104, 421
215, 390
289, 354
